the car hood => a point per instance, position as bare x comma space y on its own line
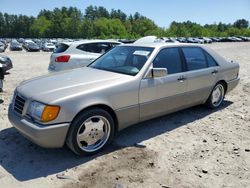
34, 47
53, 87
16, 46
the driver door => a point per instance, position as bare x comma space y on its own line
162, 95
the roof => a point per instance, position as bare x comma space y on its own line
88, 41
160, 44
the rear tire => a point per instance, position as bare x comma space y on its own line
217, 96
90, 132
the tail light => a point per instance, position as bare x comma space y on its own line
62, 59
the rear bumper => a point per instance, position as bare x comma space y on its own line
52, 136
232, 84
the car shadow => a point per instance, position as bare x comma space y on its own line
25, 161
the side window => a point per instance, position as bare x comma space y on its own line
82, 47
210, 60
114, 44
93, 48
168, 58
195, 58
103, 47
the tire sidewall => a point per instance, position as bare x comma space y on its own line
209, 102
76, 124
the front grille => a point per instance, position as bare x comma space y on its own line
19, 104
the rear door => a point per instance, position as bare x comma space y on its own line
161, 95
201, 72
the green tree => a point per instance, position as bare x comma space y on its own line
118, 14
241, 24
41, 27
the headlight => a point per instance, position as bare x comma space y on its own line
43, 112
13, 97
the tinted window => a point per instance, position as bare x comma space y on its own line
195, 58
99, 48
210, 60
61, 48
168, 58
82, 47
114, 44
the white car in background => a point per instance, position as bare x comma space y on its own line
70, 55
48, 47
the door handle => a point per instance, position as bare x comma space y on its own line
181, 79
214, 72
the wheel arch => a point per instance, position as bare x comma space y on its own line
224, 84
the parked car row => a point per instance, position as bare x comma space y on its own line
205, 40
51, 44
28, 45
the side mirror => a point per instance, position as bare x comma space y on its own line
157, 72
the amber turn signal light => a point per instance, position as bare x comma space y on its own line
50, 113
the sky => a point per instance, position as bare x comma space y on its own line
162, 12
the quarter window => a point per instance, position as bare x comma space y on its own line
195, 58
61, 48
168, 58
210, 60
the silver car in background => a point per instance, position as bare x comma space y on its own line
85, 107
48, 47
70, 55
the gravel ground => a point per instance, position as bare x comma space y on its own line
197, 147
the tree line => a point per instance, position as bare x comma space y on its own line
98, 22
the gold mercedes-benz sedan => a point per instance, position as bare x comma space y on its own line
131, 83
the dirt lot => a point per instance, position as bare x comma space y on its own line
196, 147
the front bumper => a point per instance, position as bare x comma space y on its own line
52, 136
232, 84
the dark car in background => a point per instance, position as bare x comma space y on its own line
2, 47
30, 46
5, 43
6, 63
15, 46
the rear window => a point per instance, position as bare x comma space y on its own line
61, 48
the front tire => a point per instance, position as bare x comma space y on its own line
90, 132
217, 96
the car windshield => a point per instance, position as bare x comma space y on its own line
32, 44
123, 59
